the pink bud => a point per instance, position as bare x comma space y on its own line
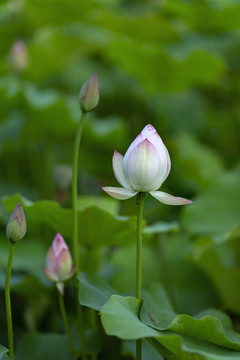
19, 56
59, 262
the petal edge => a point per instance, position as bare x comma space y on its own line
169, 199
119, 193
118, 169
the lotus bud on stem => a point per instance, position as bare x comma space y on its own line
89, 94
88, 100
18, 57
59, 268
143, 168
16, 229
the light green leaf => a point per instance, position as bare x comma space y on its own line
161, 227
210, 325
216, 210
108, 229
120, 318
188, 348
94, 293
220, 262
3, 351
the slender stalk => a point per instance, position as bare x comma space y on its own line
92, 313
75, 232
66, 325
74, 190
8, 301
141, 197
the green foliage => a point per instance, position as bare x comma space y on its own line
47, 346
174, 64
224, 194
208, 335
3, 351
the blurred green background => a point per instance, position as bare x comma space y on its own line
174, 64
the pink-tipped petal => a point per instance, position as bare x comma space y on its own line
64, 265
119, 193
50, 275
51, 259
58, 244
165, 162
60, 287
135, 142
142, 167
169, 199
118, 169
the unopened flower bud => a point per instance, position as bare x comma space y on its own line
16, 227
89, 94
19, 56
59, 263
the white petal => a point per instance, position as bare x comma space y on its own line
135, 142
119, 193
118, 170
142, 167
169, 199
155, 139
144, 134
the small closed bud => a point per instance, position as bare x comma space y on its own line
59, 263
62, 174
16, 227
19, 56
89, 94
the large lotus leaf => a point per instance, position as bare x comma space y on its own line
148, 351
124, 259
3, 351
43, 346
188, 348
161, 227
220, 262
120, 318
196, 164
216, 209
164, 73
94, 293
210, 325
219, 16
165, 258
108, 229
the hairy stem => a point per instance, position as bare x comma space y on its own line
8, 301
141, 197
66, 325
75, 231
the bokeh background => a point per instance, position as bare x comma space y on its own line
172, 63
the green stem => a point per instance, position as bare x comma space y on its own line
66, 325
92, 312
141, 197
81, 325
8, 301
75, 232
74, 190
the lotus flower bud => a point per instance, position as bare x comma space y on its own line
63, 176
16, 227
19, 56
59, 263
143, 168
89, 94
